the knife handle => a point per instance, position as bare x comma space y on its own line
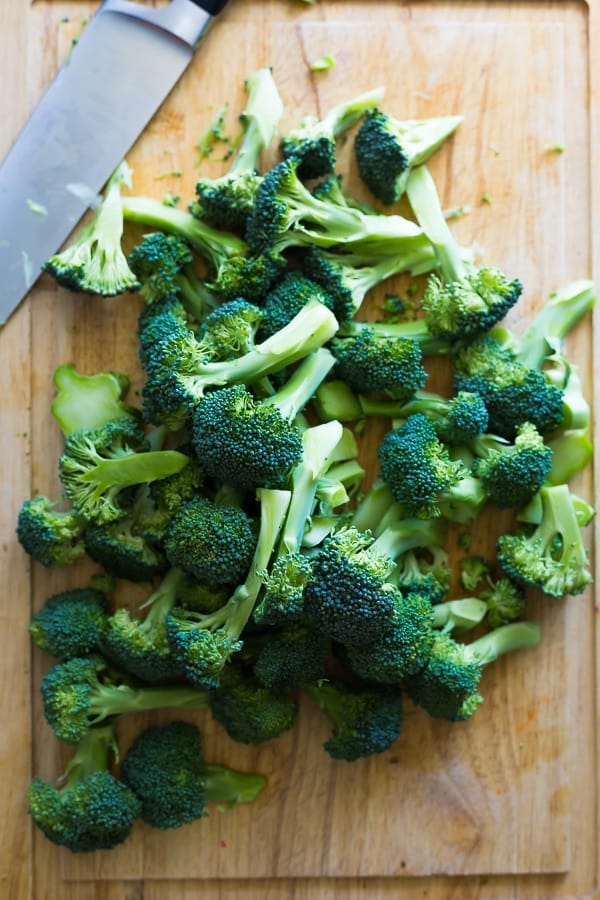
211, 6
185, 19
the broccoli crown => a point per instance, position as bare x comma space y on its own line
344, 283
512, 392
512, 473
212, 542
292, 657
471, 306
417, 466
380, 155
505, 602
168, 494
465, 417
229, 330
141, 647
156, 322
71, 623
95, 262
287, 297
227, 202
200, 652
243, 442
313, 145
347, 593
248, 276
365, 722
450, 677
551, 556
404, 646
164, 767
274, 211
51, 537
248, 711
282, 600
380, 365
98, 465
122, 552
92, 810
157, 261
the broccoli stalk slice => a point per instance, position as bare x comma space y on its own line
571, 452
85, 402
342, 116
458, 615
312, 327
137, 468
334, 487
229, 786
336, 400
95, 262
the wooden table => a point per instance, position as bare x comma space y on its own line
501, 807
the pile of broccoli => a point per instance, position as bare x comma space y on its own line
275, 572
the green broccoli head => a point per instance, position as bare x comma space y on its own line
512, 473
52, 537
91, 810
282, 599
229, 330
168, 494
248, 711
249, 276
158, 261
287, 297
505, 601
376, 365
292, 657
461, 309
122, 552
71, 623
227, 202
365, 721
140, 647
464, 418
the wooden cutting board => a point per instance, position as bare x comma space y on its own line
502, 806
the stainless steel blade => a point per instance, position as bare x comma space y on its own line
122, 68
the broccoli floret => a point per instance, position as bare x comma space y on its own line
156, 322
141, 647
85, 402
287, 297
249, 712
551, 556
213, 542
313, 141
164, 265
286, 214
283, 597
95, 262
379, 365
91, 810
180, 371
512, 473
292, 657
230, 330
228, 201
447, 686
512, 392
386, 149
457, 420
365, 721
424, 571
84, 691
505, 601
70, 623
166, 495
423, 478
97, 465
466, 301
122, 552
52, 537
203, 644
473, 571
247, 442
166, 770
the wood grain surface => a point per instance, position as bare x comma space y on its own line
503, 806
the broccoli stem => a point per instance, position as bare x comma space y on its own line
516, 636
416, 330
571, 452
405, 535
137, 468
260, 117
302, 384
425, 202
112, 700
92, 755
209, 242
423, 402
228, 786
344, 115
373, 507
162, 600
458, 615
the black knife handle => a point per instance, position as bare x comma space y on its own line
211, 6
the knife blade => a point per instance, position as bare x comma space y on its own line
124, 65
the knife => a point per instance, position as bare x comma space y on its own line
119, 72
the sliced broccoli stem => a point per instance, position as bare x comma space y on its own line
571, 452
302, 384
92, 755
516, 636
111, 700
425, 202
137, 468
458, 615
228, 786
86, 402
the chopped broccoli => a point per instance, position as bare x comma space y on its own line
85, 402
551, 556
313, 141
287, 297
292, 657
386, 149
380, 365
214, 542
91, 810
473, 571
122, 552
95, 262
571, 452
248, 711
228, 201
365, 721
203, 643
447, 686
457, 420
97, 465
505, 601
166, 770
230, 330
71, 623
247, 442
512, 473
84, 691
52, 537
